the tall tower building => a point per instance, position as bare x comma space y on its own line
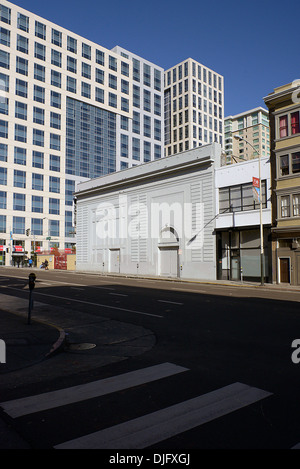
194, 107
70, 110
253, 127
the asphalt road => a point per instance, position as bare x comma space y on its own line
236, 386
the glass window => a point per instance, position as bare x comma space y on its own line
71, 84
38, 115
125, 69
85, 90
124, 123
39, 94
296, 162
125, 86
19, 202
112, 82
40, 30
69, 191
37, 159
125, 104
136, 149
5, 14
72, 44
37, 182
3, 200
99, 57
55, 100
3, 176
4, 106
37, 226
283, 126
20, 133
295, 123
296, 205
22, 66
39, 51
37, 204
54, 163
285, 206
86, 51
3, 152
55, 142
2, 223
55, 120
85, 70
38, 137
21, 88
99, 76
5, 37
54, 228
4, 59
20, 110
124, 145
3, 129
147, 75
22, 44
54, 206
39, 72
112, 100
55, 57
284, 165
54, 184
99, 95
147, 152
20, 156
55, 78
136, 69
71, 64
112, 63
23, 22
19, 225
19, 178
56, 37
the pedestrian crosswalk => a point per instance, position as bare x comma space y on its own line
146, 430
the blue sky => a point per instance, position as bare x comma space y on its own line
254, 44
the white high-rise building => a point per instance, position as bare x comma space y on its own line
194, 107
69, 112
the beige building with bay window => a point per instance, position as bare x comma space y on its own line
284, 112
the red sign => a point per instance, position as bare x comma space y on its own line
18, 249
2, 248
68, 251
255, 182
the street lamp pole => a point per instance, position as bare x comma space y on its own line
238, 137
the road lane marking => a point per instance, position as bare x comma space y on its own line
32, 404
117, 294
171, 302
153, 428
89, 303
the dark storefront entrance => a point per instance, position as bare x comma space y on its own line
238, 255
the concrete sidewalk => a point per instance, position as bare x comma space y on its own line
53, 329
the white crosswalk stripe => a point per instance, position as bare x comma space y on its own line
146, 430
50, 400
152, 428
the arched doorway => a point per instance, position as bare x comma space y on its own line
168, 253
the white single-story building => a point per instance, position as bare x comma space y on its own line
155, 219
